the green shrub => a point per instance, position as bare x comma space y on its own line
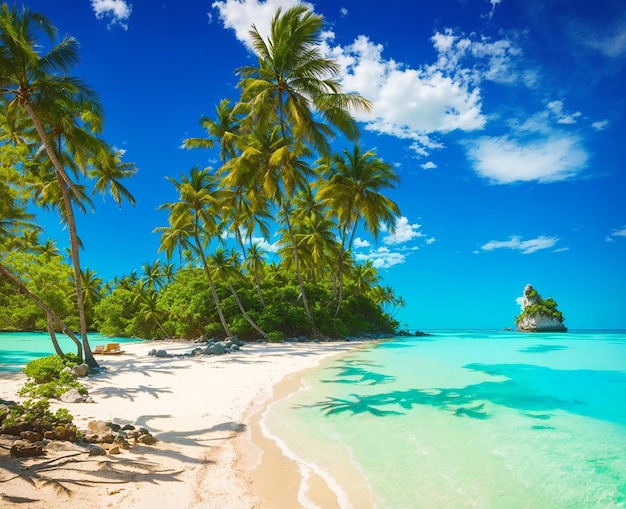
45, 369
276, 336
47, 378
35, 415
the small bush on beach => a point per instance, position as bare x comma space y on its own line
47, 378
46, 369
35, 415
276, 336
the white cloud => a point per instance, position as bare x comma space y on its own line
404, 232
382, 258
343, 11
116, 11
408, 103
600, 125
240, 15
359, 243
431, 240
556, 107
265, 245
617, 232
428, 165
525, 246
414, 104
546, 158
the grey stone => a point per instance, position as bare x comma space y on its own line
80, 370
97, 450
72, 396
216, 349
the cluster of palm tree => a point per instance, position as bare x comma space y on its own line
56, 119
276, 168
276, 162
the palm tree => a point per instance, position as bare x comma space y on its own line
58, 106
364, 277
194, 221
147, 297
255, 263
291, 87
225, 267
225, 129
350, 187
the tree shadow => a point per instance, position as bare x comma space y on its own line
63, 473
542, 348
527, 388
128, 392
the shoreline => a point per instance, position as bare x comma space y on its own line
203, 412
264, 457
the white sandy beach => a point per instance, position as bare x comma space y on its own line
199, 408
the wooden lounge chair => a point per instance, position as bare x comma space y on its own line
98, 349
112, 349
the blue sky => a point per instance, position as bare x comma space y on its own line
504, 119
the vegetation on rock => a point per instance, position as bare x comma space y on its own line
537, 306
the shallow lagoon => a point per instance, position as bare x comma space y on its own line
17, 348
469, 419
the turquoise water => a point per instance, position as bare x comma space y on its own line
468, 419
17, 348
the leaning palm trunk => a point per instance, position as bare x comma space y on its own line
51, 315
71, 225
244, 312
216, 299
53, 336
296, 261
66, 183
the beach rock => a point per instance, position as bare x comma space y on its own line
31, 436
147, 439
97, 427
539, 315
97, 450
80, 370
72, 396
161, 353
24, 449
216, 349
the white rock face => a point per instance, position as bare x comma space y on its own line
537, 322
541, 323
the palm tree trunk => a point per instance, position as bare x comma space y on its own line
216, 299
66, 183
257, 283
21, 287
305, 301
71, 226
245, 314
53, 336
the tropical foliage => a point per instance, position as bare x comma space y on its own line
276, 170
546, 307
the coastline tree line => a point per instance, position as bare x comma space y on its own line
276, 166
